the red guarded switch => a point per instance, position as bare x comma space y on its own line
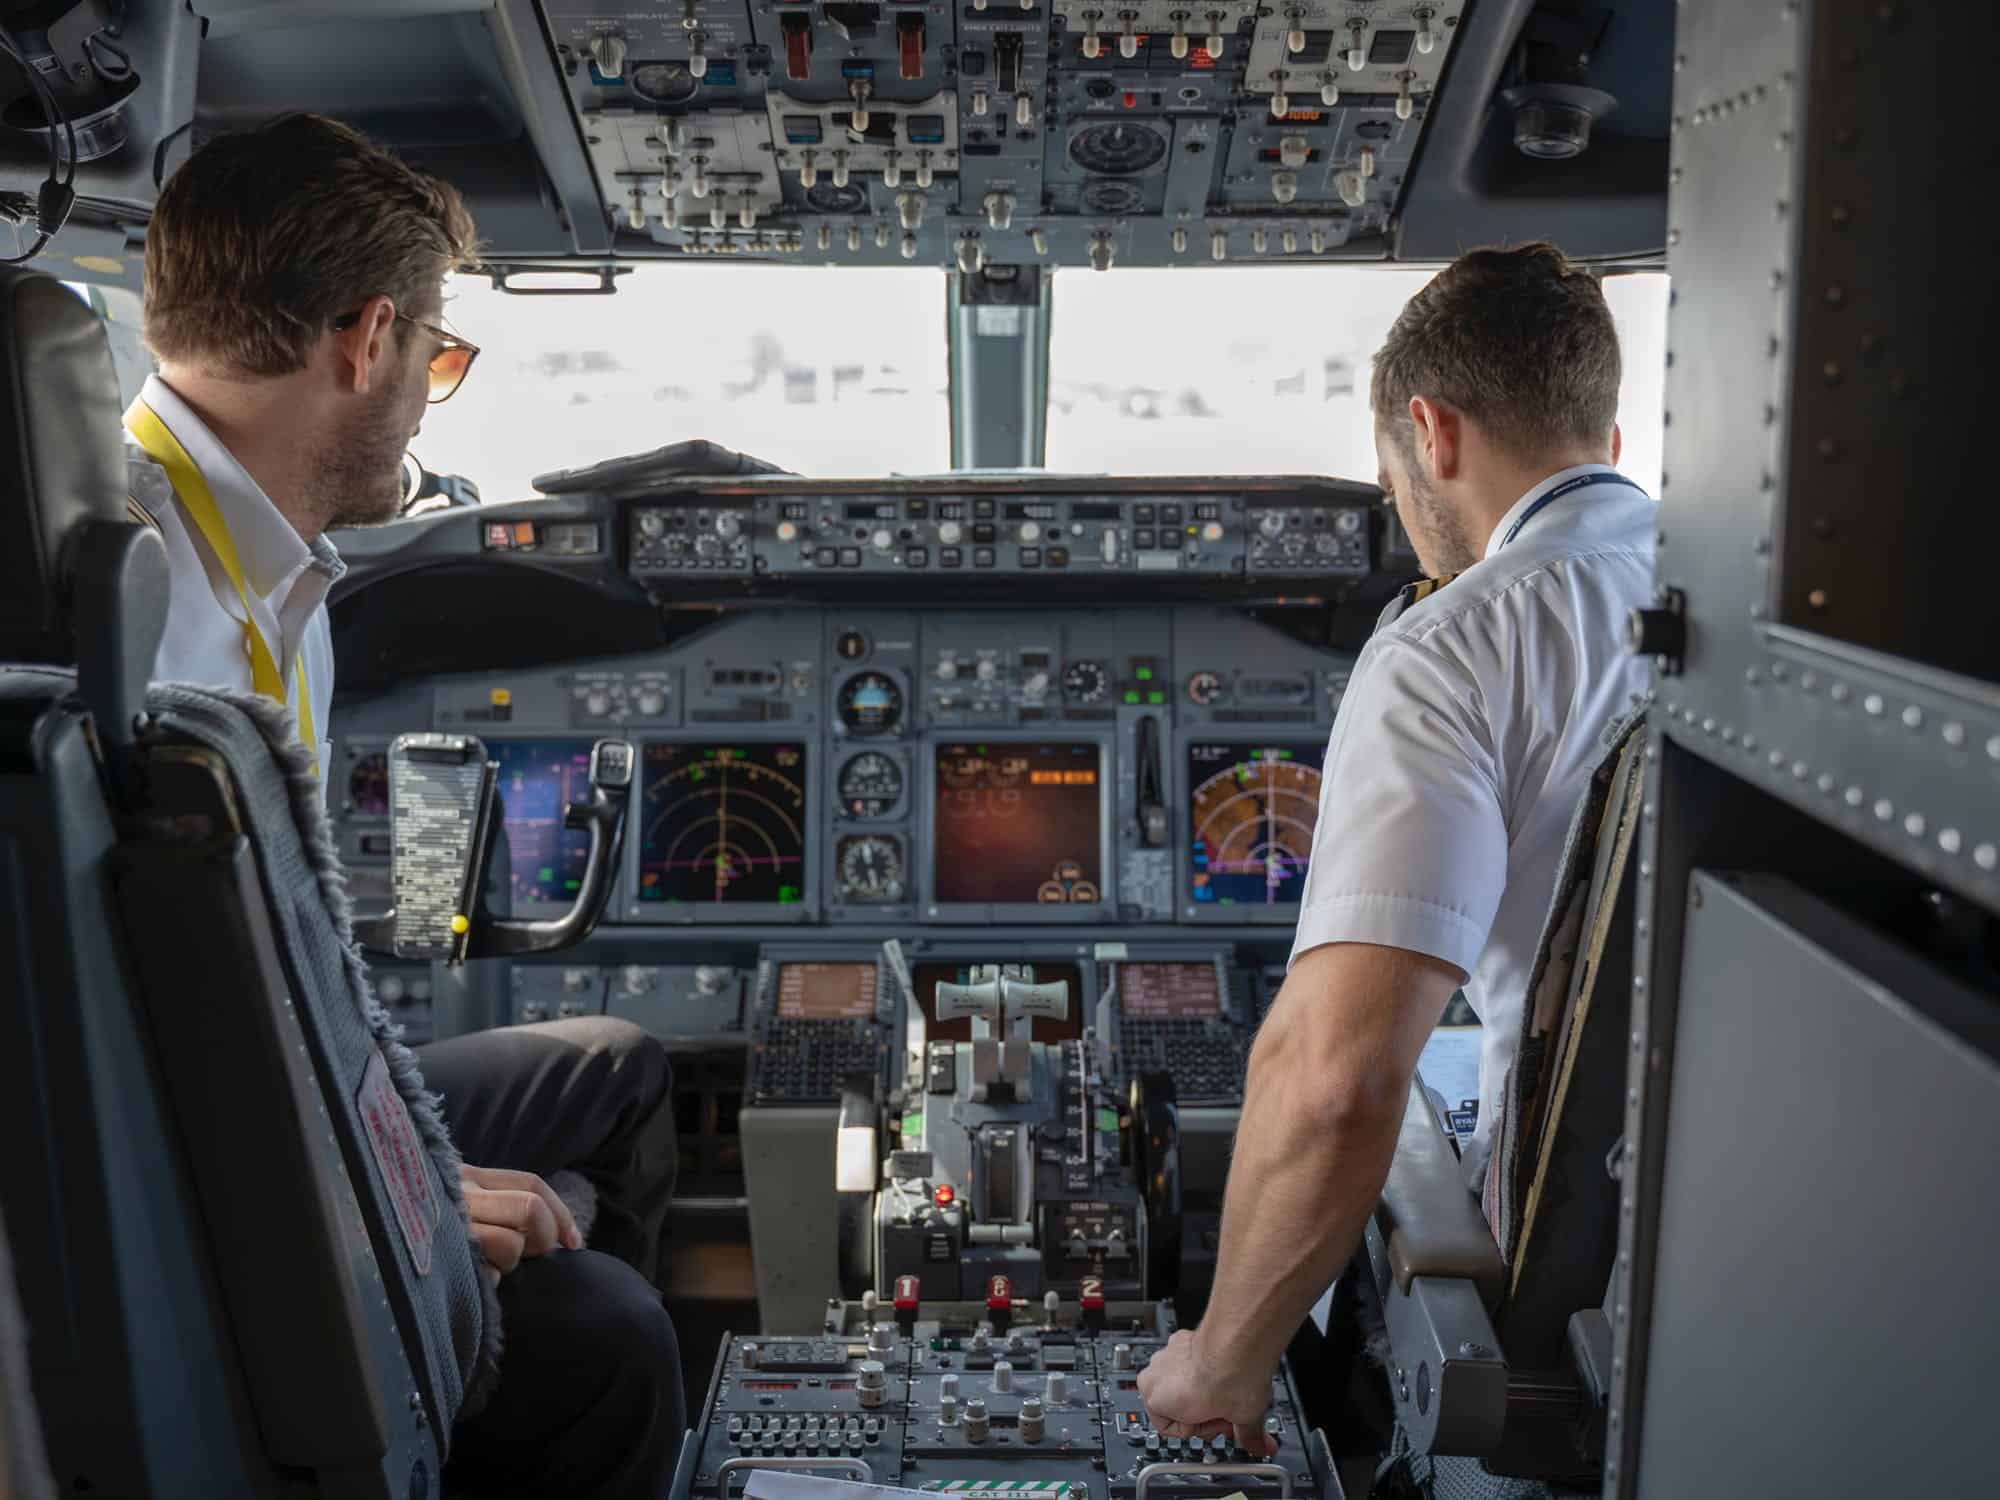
906, 1302
910, 45
999, 1302
798, 45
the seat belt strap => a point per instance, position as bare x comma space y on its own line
198, 500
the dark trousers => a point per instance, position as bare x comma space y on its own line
590, 1402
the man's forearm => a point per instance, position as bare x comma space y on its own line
1306, 1173
1322, 1107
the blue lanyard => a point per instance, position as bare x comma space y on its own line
1567, 487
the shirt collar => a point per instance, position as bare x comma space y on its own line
1520, 506
270, 549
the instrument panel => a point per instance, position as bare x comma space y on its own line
1017, 132
824, 767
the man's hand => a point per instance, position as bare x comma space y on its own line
515, 1215
1187, 1397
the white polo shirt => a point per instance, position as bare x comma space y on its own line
1467, 735
285, 577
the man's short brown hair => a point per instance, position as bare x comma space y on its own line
264, 236
1518, 340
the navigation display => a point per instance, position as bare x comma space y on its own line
723, 823
1163, 991
1018, 822
538, 779
826, 992
1251, 811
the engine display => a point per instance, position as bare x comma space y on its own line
1168, 991
826, 992
1018, 822
537, 780
723, 823
1251, 812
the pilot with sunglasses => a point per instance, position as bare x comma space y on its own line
294, 303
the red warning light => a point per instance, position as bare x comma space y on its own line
1131, 100
943, 1194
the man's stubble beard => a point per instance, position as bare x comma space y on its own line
1443, 528
358, 477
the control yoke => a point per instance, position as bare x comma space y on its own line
444, 809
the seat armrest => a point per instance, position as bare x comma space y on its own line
1431, 1223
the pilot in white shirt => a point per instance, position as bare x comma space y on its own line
1473, 720
1467, 736
284, 578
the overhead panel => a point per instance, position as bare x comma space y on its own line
1089, 132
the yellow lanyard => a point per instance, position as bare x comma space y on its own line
199, 501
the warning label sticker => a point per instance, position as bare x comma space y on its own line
400, 1154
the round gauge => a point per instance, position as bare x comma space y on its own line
368, 785
850, 645
1117, 147
1347, 522
663, 82
870, 703
870, 784
870, 869
1204, 688
829, 198
1111, 195
1084, 681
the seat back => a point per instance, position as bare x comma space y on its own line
257, 1269
1491, 1307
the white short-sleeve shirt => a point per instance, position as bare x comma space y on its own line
285, 577
1467, 735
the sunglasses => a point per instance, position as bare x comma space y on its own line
449, 366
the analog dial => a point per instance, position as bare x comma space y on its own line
1204, 688
871, 869
870, 784
870, 703
1085, 681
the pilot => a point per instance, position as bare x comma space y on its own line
1476, 715
293, 299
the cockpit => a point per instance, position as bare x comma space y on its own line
875, 624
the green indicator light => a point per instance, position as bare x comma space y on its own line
1131, 696
545, 874
1144, 674
1156, 697
788, 895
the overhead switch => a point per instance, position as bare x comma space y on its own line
910, 45
607, 53
999, 210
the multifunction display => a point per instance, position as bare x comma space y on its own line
1168, 991
537, 781
826, 992
723, 823
1251, 812
1018, 822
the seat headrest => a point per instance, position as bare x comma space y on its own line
62, 459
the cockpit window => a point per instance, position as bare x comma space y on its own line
1265, 371
823, 372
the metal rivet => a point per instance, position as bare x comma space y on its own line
1673, 236
1885, 809
1830, 372
1776, 759
1728, 735
1779, 671
1872, 705
1993, 748
1914, 825
1826, 783
1913, 717
1708, 726
1948, 840
1809, 681
1752, 676
1839, 692
1799, 770
1986, 856
1954, 734
1854, 796
1749, 742
1817, 598
1687, 716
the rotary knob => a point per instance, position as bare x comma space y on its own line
710, 978
727, 525
1033, 1421
651, 524
597, 703
788, 531
1003, 1377
1030, 532
707, 546
1271, 523
949, 532
652, 702
883, 539
1034, 686
986, 671
1347, 522
947, 670
881, 1338
1121, 1356
1058, 1388
976, 1420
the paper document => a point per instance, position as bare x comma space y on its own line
796, 1484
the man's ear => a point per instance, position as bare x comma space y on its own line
1440, 437
1617, 443
361, 352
